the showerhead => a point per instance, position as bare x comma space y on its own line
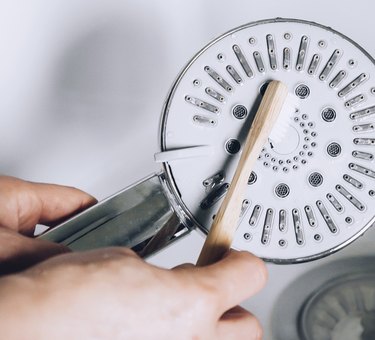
310, 193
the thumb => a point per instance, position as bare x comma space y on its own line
19, 252
236, 277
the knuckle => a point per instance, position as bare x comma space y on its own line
261, 271
244, 325
257, 268
206, 291
254, 326
257, 329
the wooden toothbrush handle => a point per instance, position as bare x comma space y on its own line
220, 236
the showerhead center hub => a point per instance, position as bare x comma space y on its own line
288, 144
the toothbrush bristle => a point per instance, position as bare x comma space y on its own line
281, 126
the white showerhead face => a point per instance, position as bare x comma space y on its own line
310, 193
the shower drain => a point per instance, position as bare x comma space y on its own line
341, 309
312, 191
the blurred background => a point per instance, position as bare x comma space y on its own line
83, 82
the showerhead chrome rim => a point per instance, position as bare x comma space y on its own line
189, 217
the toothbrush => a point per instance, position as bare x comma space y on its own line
272, 111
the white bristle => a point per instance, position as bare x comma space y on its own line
281, 126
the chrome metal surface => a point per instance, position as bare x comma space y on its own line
362, 170
259, 62
355, 101
244, 207
369, 111
234, 74
214, 196
267, 226
243, 61
341, 308
271, 51
286, 58
211, 182
335, 203
305, 309
336, 81
255, 216
331, 63
204, 121
326, 216
302, 53
364, 127
202, 104
298, 230
214, 94
314, 64
310, 216
282, 220
350, 197
219, 79
363, 155
354, 182
364, 141
353, 85
130, 218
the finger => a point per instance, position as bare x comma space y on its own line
18, 252
60, 202
24, 204
233, 279
238, 323
94, 256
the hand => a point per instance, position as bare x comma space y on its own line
23, 205
113, 294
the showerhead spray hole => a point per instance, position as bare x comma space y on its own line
232, 146
329, 114
302, 91
252, 41
282, 243
317, 237
282, 190
239, 112
334, 149
247, 236
252, 178
315, 179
